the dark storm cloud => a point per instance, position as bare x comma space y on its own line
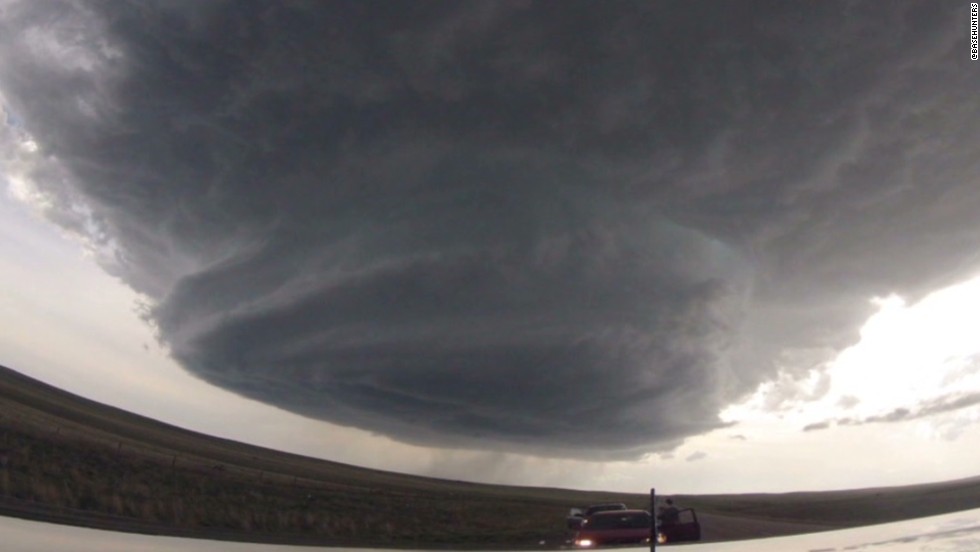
576, 229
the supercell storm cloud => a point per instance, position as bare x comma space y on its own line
575, 229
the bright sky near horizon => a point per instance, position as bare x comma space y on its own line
507, 243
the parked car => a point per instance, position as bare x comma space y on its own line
614, 527
576, 516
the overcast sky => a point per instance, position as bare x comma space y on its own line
589, 244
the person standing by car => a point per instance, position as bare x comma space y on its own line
669, 514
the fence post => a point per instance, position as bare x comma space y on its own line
653, 520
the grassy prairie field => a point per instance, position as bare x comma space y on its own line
69, 460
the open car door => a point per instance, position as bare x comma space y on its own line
685, 529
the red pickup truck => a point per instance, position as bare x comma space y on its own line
577, 516
633, 527
614, 527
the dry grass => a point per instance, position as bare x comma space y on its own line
70, 460
75, 461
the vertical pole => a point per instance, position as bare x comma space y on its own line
653, 520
